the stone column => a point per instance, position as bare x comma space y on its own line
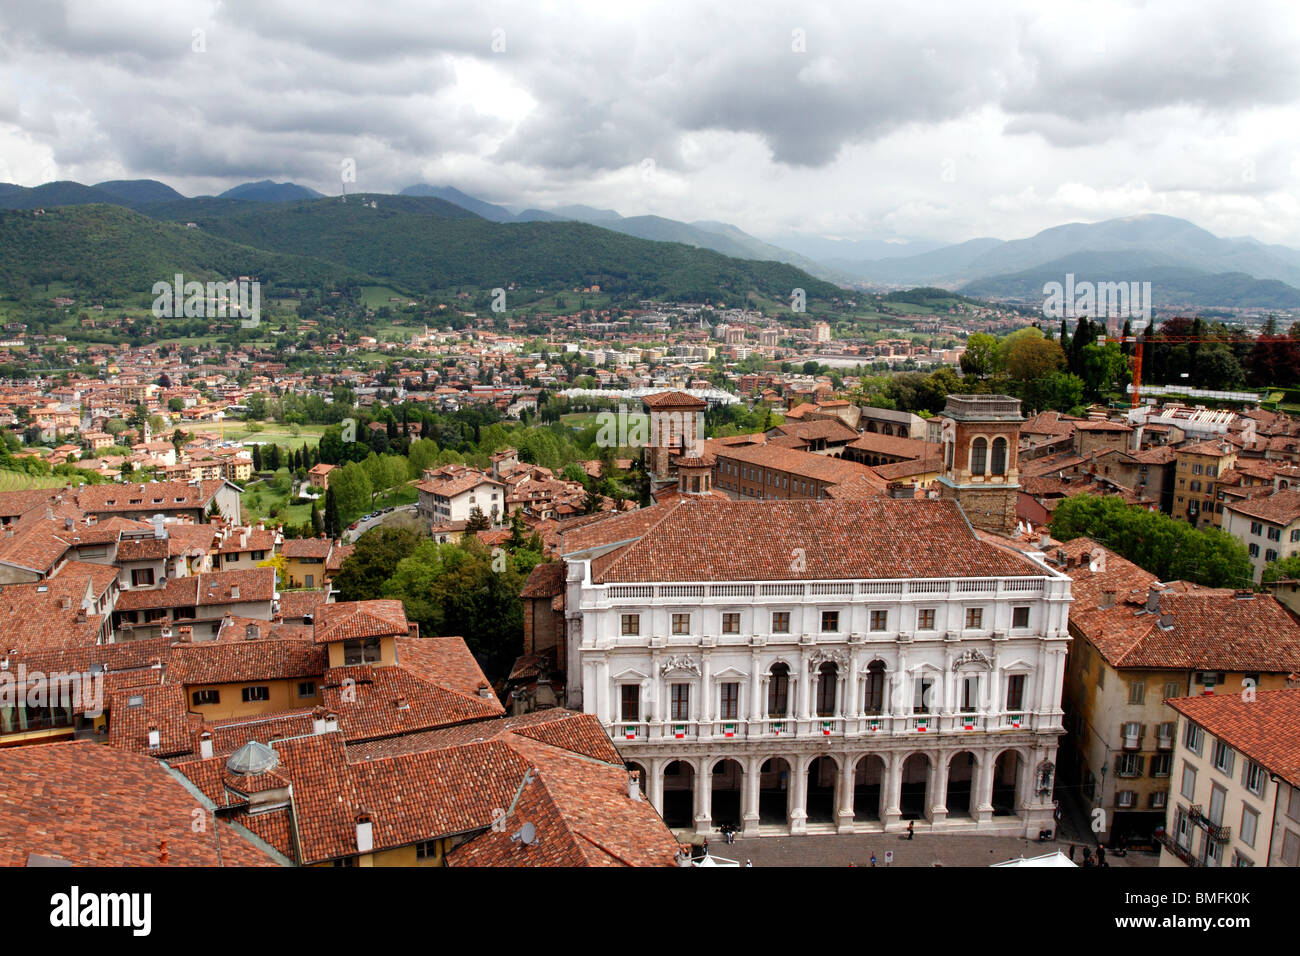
803, 704
853, 695
799, 796
893, 785
749, 796
982, 796
706, 694
755, 690
703, 798
844, 815
655, 785
939, 788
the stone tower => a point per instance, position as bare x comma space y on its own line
981, 439
676, 427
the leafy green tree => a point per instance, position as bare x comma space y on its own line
378, 552
980, 360
1286, 569
333, 521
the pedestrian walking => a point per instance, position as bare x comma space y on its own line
1071, 852
873, 859
911, 829
748, 863
1101, 856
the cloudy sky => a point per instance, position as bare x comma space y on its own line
856, 120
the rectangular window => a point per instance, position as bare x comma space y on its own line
681, 702
1173, 689
1020, 616
1253, 550
780, 622
879, 620
1193, 738
141, 577
359, 651
1252, 778
970, 693
1249, 825
254, 694
1293, 807
681, 624
731, 623
974, 617
1128, 765
925, 619
630, 624
1016, 692
630, 698
730, 701
1159, 800
1161, 764
1223, 757
1275, 534
922, 686
307, 688
202, 697
1189, 781
1137, 692
1125, 799
830, 621
428, 850
1291, 848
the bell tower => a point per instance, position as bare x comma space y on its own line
981, 441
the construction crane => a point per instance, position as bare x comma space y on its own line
1137, 341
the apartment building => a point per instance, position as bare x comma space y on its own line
1269, 526
1196, 480
1138, 643
1237, 765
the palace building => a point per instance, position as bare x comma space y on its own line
819, 666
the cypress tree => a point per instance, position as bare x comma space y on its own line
333, 526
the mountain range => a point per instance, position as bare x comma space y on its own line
1187, 266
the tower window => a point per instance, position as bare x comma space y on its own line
999, 456
979, 450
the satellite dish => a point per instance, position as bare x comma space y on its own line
526, 834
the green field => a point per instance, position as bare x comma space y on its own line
275, 434
18, 481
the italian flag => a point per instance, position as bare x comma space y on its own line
826, 728
1015, 721
679, 732
923, 725
873, 725
729, 730
968, 723
630, 733
776, 729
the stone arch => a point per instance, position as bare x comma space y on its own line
914, 785
775, 782
963, 773
870, 772
678, 776
726, 782
1010, 780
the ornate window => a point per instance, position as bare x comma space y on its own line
979, 451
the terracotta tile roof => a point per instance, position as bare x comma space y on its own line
229, 662
306, 548
1266, 729
143, 549
661, 400
828, 429
368, 701
299, 604
821, 468
155, 496
445, 662
1206, 628
349, 620
97, 806
134, 710
1281, 507
713, 540
545, 580
894, 445
338, 556
582, 816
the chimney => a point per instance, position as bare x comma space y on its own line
633, 785
1044, 541
1153, 599
252, 632
205, 745
165, 631
186, 634
331, 722
1244, 594
1107, 599
155, 663
484, 691
1165, 621
65, 602
903, 490
402, 702
154, 739
158, 530
69, 523
318, 721
365, 832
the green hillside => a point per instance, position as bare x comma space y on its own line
110, 251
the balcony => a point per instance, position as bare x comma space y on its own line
1172, 845
1216, 832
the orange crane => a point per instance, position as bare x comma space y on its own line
1137, 341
